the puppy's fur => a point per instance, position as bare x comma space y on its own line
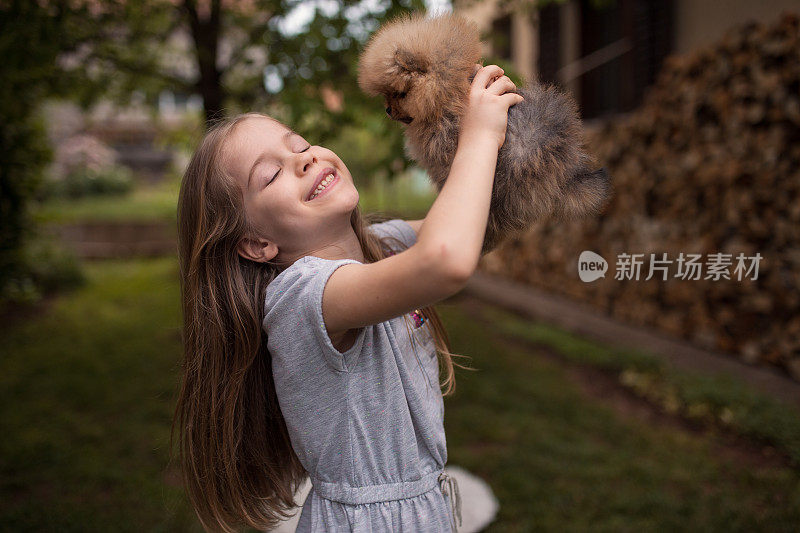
424, 67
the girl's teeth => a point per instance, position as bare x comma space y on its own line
322, 185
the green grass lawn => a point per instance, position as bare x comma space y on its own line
144, 203
86, 402
159, 202
86, 398
560, 462
719, 400
398, 197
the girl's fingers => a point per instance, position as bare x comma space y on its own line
502, 85
475, 70
511, 98
485, 75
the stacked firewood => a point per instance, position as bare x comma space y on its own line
709, 164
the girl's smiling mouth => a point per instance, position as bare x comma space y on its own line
326, 180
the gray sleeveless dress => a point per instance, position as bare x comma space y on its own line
367, 424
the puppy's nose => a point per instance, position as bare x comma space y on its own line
389, 110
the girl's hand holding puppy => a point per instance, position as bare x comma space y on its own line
456, 222
486, 115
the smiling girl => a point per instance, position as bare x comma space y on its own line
310, 340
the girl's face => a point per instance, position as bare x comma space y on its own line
279, 173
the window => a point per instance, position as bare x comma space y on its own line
549, 49
622, 47
501, 37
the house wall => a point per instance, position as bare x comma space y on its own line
701, 22
525, 38
696, 23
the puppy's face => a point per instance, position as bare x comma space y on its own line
421, 95
419, 64
396, 106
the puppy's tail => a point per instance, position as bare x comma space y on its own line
585, 194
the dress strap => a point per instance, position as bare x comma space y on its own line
449, 487
375, 493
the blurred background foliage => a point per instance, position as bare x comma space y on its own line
230, 53
237, 56
27, 78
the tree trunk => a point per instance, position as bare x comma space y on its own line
211, 90
205, 33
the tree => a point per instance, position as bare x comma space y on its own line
224, 51
145, 45
220, 49
30, 40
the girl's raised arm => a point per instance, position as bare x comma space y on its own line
451, 236
461, 210
415, 225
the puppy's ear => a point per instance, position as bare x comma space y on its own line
411, 62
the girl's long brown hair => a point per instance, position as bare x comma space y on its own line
235, 456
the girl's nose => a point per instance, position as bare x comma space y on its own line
305, 161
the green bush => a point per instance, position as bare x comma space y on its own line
45, 267
85, 181
26, 74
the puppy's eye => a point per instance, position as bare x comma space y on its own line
401, 95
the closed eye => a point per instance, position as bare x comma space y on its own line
279, 170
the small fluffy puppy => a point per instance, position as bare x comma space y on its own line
424, 67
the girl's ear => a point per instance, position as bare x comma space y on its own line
258, 250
